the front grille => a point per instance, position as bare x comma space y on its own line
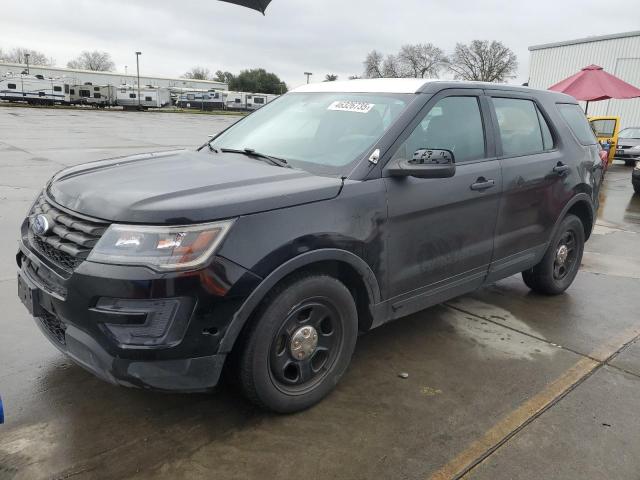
70, 239
55, 327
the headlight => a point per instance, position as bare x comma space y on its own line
637, 167
160, 247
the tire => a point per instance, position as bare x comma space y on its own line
270, 374
630, 163
636, 188
552, 276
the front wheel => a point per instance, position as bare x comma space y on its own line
561, 262
299, 345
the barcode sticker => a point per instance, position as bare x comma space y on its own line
351, 106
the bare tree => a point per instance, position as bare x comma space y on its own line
18, 55
373, 65
391, 67
330, 77
96, 61
421, 60
198, 73
483, 61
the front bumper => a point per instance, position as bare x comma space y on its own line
627, 154
77, 314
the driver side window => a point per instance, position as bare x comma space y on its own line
453, 123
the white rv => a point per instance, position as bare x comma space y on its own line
34, 89
150, 97
95, 95
202, 100
236, 101
256, 100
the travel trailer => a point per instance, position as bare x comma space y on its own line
256, 100
203, 100
150, 97
34, 89
95, 95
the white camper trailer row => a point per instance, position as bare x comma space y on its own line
150, 97
247, 101
34, 89
40, 90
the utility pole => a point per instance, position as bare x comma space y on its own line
125, 69
308, 74
26, 57
138, 70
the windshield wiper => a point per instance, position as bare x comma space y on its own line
280, 162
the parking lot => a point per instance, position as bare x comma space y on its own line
501, 384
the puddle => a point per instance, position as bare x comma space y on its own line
492, 340
605, 264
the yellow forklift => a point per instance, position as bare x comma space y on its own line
606, 130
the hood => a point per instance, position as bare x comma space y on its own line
181, 187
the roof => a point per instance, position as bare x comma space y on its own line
585, 40
374, 85
21, 66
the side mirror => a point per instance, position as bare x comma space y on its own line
426, 163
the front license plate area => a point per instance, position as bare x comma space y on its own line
29, 296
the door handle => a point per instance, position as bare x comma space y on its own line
561, 168
483, 184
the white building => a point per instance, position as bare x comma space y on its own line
79, 77
618, 54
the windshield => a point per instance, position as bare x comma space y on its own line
629, 133
324, 133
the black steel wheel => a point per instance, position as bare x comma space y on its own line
306, 345
561, 262
299, 344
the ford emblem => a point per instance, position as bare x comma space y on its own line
40, 224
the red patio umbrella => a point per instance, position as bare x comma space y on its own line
592, 83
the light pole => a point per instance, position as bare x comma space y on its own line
138, 70
26, 57
308, 74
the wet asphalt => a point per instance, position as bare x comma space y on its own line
501, 383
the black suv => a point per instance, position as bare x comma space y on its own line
334, 209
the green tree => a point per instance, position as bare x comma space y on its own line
330, 77
225, 77
258, 80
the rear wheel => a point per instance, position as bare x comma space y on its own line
561, 262
299, 345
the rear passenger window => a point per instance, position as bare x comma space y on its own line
547, 138
520, 127
578, 124
453, 123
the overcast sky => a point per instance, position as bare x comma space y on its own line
323, 36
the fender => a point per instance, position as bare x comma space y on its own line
246, 309
580, 197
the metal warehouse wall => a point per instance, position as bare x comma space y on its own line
617, 54
110, 78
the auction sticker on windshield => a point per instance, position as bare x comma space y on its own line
351, 106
